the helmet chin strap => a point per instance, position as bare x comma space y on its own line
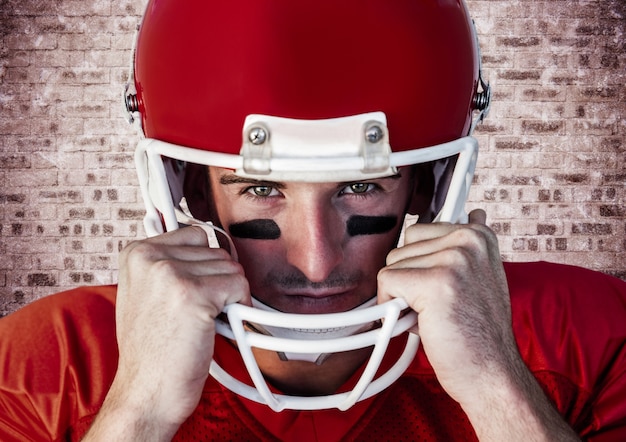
307, 334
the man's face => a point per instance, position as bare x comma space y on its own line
311, 247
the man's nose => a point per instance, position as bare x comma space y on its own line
314, 240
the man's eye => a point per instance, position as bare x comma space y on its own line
261, 191
359, 188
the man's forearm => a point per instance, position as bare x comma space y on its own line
123, 418
515, 408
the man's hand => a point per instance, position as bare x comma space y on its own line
171, 288
453, 277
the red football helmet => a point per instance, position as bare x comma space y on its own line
305, 90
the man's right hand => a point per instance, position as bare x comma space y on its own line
171, 289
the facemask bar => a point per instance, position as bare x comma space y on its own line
160, 209
366, 387
309, 334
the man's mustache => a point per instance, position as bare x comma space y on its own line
296, 280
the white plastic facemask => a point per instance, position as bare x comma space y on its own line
392, 325
309, 337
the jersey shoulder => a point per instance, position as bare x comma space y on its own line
570, 326
59, 357
580, 296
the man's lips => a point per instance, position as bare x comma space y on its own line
315, 301
318, 293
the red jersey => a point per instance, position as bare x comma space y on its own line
59, 357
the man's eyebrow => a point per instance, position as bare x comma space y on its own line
396, 176
229, 179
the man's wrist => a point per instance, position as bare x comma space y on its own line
514, 407
123, 419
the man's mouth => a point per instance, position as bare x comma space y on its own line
318, 294
314, 301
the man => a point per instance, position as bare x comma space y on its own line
297, 135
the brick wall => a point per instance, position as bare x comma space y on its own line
552, 170
551, 174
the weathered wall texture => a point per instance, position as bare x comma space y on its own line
551, 174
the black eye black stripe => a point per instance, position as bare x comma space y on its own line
370, 225
256, 229
357, 225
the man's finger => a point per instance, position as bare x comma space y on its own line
478, 216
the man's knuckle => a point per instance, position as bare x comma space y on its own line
448, 279
473, 238
167, 270
456, 257
220, 253
142, 251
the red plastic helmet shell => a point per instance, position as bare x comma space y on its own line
202, 66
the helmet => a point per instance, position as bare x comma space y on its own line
312, 90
